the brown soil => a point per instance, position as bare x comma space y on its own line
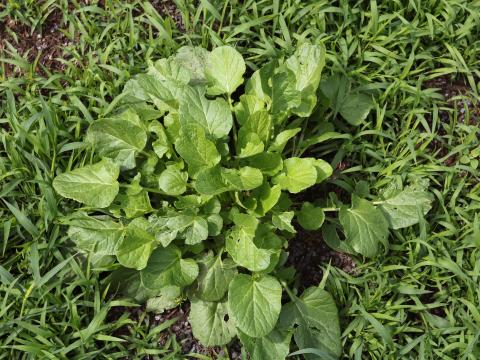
48, 44
457, 95
450, 89
168, 8
308, 251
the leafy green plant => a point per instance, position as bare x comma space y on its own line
192, 192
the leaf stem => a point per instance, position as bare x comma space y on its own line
290, 294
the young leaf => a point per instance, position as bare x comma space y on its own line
283, 221
248, 105
241, 247
248, 144
365, 227
210, 322
211, 182
214, 277
161, 146
310, 217
255, 303
284, 96
197, 231
197, 151
225, 69
246, 178
135, 249
120, 138
134, 201
307, 64
214, 116
93, 185
282, 139
267, 198
298, 174
316, 315
402, 210
173, 182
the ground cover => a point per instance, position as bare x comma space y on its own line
419, 62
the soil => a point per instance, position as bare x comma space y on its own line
168, 8
456, 95
450, 89
308, 251
48, 43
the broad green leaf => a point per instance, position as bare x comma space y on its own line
307, 338
193, 59
352, 105
169, 297
259, 83
243, 179
137, 245
403, 209
167, 268
259, 123
285, 98
186, 224
316, 315
273, 346
307, 64
283, 221
356, 107
269, 163
197, 151
161, 146
120, 138
298, 174
255, 303
161, 91
248, 144
310, 217
93, 185
211, 182
282, 139
331, 238
214, 277
365, 227
197, 231
324, 169
170, 69
267, 198
224, 70
248, 105
213, 115
210, 322
241, 247
97, 234
173, 182
134, 201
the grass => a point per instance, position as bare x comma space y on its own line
419, 300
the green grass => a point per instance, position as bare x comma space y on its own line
420, 300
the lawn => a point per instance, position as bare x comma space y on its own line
239, 179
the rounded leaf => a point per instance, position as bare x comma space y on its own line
255, 304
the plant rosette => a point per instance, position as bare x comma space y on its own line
189, 195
